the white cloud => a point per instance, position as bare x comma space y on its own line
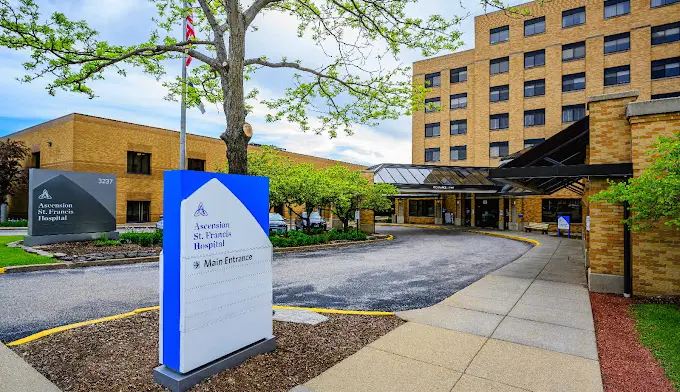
139, 98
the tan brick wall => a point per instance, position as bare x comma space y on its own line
656, 252
638, 23
93, 144
606, 233
609, 131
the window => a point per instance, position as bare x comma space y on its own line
573, 113
574, 51
666, 33
35, 160
617, 75
499, 93
666, 68
459, 75
498, 149
660, 3
666, 95
534, 88
459, 101
617, 43
458, 127
432, 105
501, 65
534, 59
138, 162
499, 121
534, 26
574, 17
421, 207
552, 208
499, 34
431, 155
614, 8
196, 164
138, 211
433, 80
534, 117
532, 142
432, 130
458, 153
573, 82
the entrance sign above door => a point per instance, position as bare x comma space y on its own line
216, 277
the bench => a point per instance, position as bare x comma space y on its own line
543, 227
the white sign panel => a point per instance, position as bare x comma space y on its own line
224, 293
563, 222
588, 223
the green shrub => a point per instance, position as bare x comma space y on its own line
106, 243
15, 223
143, 238
299, 238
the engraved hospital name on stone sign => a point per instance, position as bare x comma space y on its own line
63, 202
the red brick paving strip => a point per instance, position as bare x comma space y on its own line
626, 365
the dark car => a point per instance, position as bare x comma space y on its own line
277, 224
315, 221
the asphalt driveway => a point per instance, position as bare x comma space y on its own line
419, 268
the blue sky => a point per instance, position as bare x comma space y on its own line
138, 98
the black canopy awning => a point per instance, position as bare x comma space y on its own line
557, 163
441, 179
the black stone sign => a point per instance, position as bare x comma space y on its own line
70, 206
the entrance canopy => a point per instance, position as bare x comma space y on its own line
428, 179
557, 163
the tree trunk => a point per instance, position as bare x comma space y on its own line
234, 105
3, 212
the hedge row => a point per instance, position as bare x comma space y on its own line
15, 223
299, 238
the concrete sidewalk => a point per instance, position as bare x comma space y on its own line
17, 375
525, 327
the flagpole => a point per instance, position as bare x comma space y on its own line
183, 120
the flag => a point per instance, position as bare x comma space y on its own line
200, 104
190, 33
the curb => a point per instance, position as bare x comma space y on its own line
489, 233
13, 228
336, 311
83, 264
62, 328
326, 246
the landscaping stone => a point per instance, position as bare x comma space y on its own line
299, 316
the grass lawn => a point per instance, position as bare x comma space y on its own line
17, 256
659, 330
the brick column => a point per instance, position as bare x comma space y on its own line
610, 142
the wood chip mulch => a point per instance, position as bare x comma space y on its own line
626, 365
120, 355
87, 247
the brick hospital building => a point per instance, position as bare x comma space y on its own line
528, 78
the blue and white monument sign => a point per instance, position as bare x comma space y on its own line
216, 277
564, 223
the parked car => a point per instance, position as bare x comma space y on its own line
315, 221
159, 224
277, 224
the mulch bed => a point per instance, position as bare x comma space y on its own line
120, 355
626, 365
87, 247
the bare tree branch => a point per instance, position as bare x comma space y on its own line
255, 8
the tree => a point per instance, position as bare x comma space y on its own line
655, 195
342, 93
348, 191
305, 186
266, 162
12, 175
